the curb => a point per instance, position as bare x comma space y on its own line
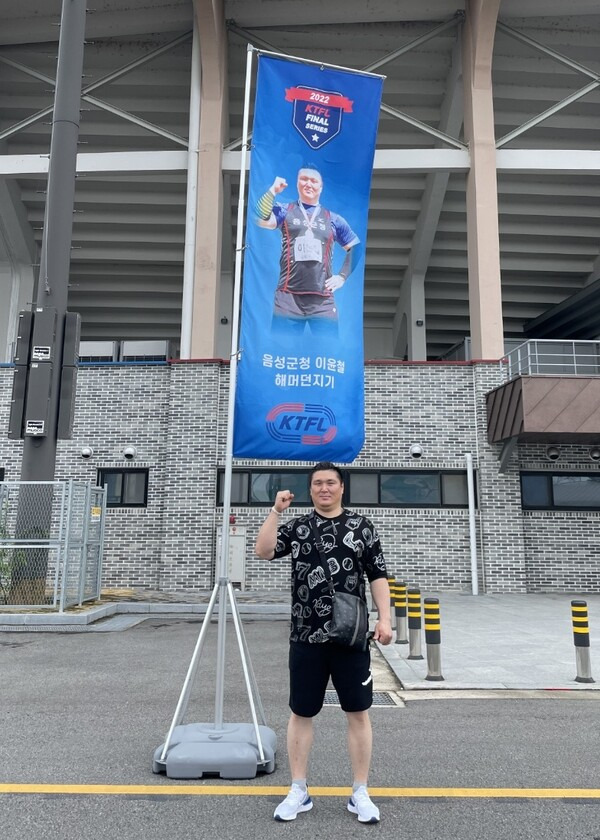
94, 614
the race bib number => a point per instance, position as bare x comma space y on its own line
308, 248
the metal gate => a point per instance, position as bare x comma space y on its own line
51, 543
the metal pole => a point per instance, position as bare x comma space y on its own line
101, 542
68, 500
249, 687
546, 114
56, 486
83, 551
581, 639
189, 252
191, 673
39, 453
414, 624
222, 569
433, 639
472, 529
255, 695
400, 610
531, 42
433, 33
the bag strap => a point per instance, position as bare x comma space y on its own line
319, 546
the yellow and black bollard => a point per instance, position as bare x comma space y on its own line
433, 638
581, 638
400, 604
414, 624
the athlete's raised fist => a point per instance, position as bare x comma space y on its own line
278, 185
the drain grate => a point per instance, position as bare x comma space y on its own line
380, 698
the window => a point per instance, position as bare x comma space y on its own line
409, 488
560, 491
366, 488
259, 487
125, 487
413, 488
265, 485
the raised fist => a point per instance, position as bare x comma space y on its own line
278, 185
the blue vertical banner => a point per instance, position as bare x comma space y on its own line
300, 386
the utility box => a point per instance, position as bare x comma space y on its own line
237, 554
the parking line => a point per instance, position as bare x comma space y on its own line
264, 790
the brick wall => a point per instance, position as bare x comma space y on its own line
176, 416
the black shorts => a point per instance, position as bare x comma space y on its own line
311, 665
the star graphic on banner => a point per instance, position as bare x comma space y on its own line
314, 138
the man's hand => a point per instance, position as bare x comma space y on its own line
335, 282
383, 632
278, 185
283, 500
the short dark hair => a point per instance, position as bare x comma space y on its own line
324, 465
312, 169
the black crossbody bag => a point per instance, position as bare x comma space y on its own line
349, 621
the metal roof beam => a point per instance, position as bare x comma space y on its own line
387, 109
127, 162
549, 161
559, 106
562, 59
549, 112
393, 160
99, 103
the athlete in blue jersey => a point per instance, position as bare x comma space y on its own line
307, 282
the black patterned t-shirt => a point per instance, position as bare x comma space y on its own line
353, 550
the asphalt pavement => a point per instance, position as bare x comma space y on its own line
82, 713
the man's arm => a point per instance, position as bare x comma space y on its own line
380, 590
353, 251
266, 541
265, 217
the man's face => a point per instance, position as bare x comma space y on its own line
326, 490
310, 185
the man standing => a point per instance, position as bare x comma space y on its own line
353, 551
308, 232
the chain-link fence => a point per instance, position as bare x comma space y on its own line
51, 542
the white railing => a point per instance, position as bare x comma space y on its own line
553, 357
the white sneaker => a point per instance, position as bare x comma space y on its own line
360, 803
296, 802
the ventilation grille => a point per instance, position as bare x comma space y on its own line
380, 698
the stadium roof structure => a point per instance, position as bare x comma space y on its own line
150, 263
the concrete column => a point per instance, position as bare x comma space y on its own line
410, 324
485, 297
409, 338
18, 252
213, 120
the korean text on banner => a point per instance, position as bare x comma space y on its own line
300, 387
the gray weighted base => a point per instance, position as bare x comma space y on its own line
230, 751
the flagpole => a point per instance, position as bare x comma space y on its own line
323, 64
230, 749
222, 569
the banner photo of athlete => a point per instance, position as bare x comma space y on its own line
300, 385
